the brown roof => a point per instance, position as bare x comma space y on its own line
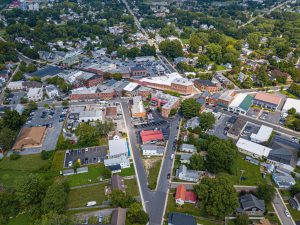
118, 217
117, 182
111, 111
30, 137
271, 98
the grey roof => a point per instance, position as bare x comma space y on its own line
159, 149
46, 71
188, 147
249, 201
285, 156
205, 82
189, 173
185, 156
118, 216
117, 182
192, 123
181, 219
237, 127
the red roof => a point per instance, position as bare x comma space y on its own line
180, 192
151, 135
183, 194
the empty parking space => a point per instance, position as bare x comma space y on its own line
271, 117
85, 156
253, 112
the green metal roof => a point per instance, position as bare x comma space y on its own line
246, 103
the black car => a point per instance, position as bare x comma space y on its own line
168, 176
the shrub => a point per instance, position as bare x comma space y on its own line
46, 154
14, 156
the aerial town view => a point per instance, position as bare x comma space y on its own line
150, 112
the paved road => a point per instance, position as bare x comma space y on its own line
154, 201
10, 79
280, 208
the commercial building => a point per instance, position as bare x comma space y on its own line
138, 71
165, 101
152, 150
263, 134
30, 137
51, 91
35, 94
137, 107
117, 148
236, 129
291, 103
225, 98
46, 72
182, 195
266, 100
206, 85
15, 85
241, 103
253, 149
151, 136
172, 82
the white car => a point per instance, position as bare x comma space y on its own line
70, 163
287, 213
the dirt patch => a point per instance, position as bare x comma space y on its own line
150, 162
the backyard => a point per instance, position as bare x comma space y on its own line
132, 187
80, 196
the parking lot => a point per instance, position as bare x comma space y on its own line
271, 117
85, 156
219, 127
282, 141
53, 120
253, 112
249, 129
15, 97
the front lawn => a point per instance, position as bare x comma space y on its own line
22, 219
153, 174
132, 187
9, 178
127, 171
58, 161
80, 196
92, 176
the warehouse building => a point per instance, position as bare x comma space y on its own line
252, 149
263, 134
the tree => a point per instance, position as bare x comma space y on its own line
53, 218
65, 103
292, 111
262, 76
242, 219
103, 128
106, 173
221, 156
247, 83
120, 199
9, 206
12, 119
214, 52
253, 40
207, 121
195, 43
55, 198
87, 135
148, 50
196, 162
7, 138
171, 49
190, 108
266, 192
31, 191
217, 196
136, 214
203, 61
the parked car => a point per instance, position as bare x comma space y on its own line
91, 203
168, 176
287, 213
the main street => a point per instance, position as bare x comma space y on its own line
153, 201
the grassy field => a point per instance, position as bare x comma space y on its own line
79, 197
22, 219
58, 161
132, 187
153, 174
25, 163
128, 171
95, 172
251, 173
288, 94
9, 178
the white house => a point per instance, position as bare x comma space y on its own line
123, 161
117, 147
252, 149
51, 91
35, 94
152, 150
15, 85
189, 175
188, 148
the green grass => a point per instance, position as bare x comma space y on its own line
95, 172
127, 171
153, 174
294, 213
288, 94
79, 197
208, 222
58, 161
9, 178
251, 173
25, 163
219, 67
185, 41
22, 219
132, 187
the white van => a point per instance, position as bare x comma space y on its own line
91, 203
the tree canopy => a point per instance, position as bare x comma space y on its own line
190, 108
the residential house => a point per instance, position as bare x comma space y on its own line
188, 148
284, 158
251, 205
189, 175
51, 91
175, 218
152, 150
183, 196
185, 158
295, 202
283, 180
121, 161
192, 123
